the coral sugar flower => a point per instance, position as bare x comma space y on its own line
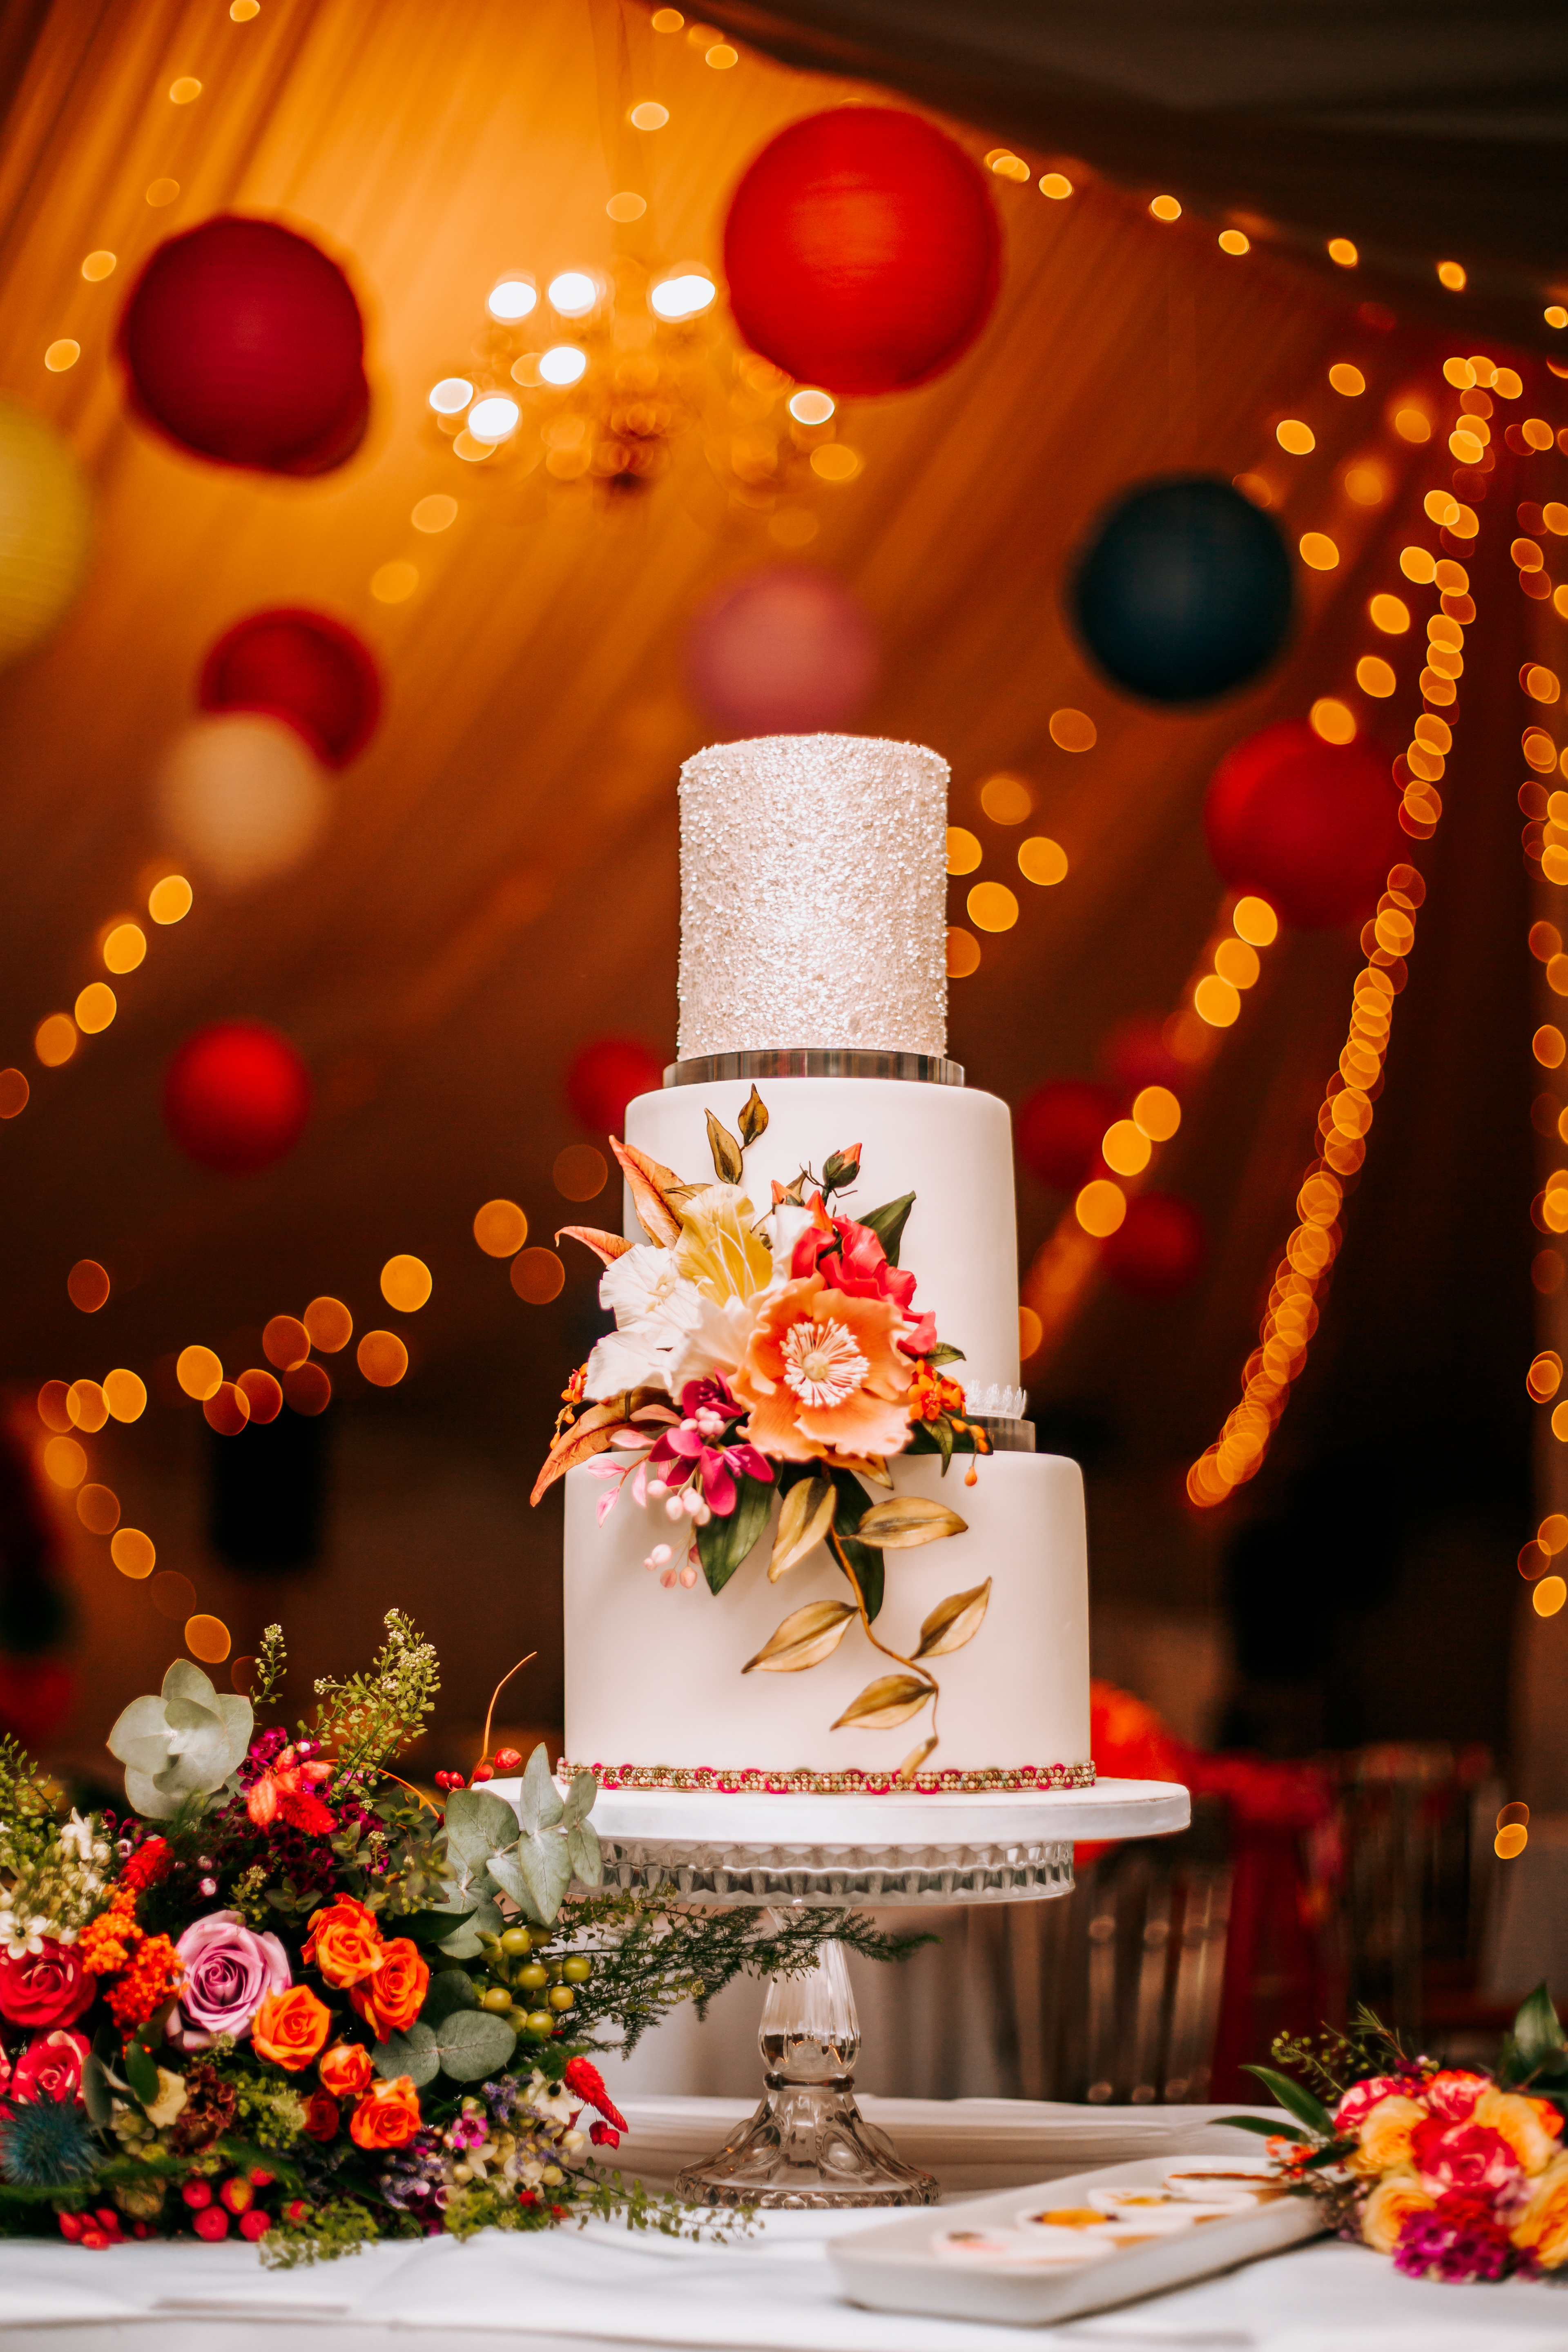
288, 1787
824, 1373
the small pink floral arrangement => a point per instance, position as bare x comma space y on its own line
1460, 2176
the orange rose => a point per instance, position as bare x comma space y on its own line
345, 2069
344, 1941
387, 2116
391, 2000
1541, 2229
290, 2027
1394, 2201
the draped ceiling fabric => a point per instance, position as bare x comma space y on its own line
1422, 129
500, 881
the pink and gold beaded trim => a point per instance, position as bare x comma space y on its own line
749, 1780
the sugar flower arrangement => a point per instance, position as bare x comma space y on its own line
1460, 2176
768, 1358
286, 1996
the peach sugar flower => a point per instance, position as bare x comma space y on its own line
823, 1373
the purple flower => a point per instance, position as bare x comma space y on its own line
1461, 2239
228, 1969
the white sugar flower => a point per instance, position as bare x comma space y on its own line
654, 1307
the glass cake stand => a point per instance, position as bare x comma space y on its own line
808, 2145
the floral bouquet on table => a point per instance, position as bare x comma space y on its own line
1460, 2176
772, 1358
288, 1997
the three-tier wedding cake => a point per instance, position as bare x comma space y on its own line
809, 1541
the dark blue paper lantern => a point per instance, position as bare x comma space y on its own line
1182, 591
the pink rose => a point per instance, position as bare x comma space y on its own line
1361, 2097
46, 1988
50, 2068
229, 1971
1463, 2156
1452, 2095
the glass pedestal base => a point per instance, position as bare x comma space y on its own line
808, 2145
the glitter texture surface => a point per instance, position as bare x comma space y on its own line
813, 896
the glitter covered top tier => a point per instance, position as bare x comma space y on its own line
812, 897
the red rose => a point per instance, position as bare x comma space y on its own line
46, 1987
50, 2068
321, 2115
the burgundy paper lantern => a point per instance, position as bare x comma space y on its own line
1311, 826
604, 1078
1060, 1128
300, 666
243, 342
784, 651
1158, 1247
862, 250
236, 1097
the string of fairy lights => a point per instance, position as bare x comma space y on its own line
1347, 1109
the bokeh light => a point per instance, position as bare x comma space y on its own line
561, 364
512, 298
125, 948
405, 1284
1375, 677
125, 1394
1157, 1112
1255, 920
95, 1008
1347, 380
285, 1343
451, 395
1031, 1331
87, 1405
1234, 241
962, 953
963, 850
169, 900
581, 1173
992, 907
1125, 1148
199, 1373
1318, 551
135, 1554
1548, 1596
1100, 1207
1332, 720
1215, 1001
1342, 252
98, 1509
500, 1228
810, 407
227, 1409
687, 296
572, 293
1510, 1841
329, 1325
174, 1595
15, 1094
1235, 961
437, 512
262, 1392
538, 1276
381, 1358
493, 418
64, 1463
1042, 860
1295, 436
1006, 800
650, 115
54, 1040
306, 1388
208, 1638
54, 1411
1073, 730
87, 1284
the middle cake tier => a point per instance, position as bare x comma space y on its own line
951, 1146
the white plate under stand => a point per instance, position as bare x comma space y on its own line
808, 2145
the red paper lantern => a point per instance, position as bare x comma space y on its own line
862, 250
603, 1078
236, 1097
783, 651
243, 342
1311, 826
1060, 1128
302, 667
1158, 1247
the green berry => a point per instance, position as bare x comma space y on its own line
534, 1979
516, 1942
540, 2025
553, 2176
578, 1969
495, 1997
561, 1997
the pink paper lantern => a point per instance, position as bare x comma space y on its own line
236, 1097
786, 651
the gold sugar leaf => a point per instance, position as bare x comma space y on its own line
891, 1699
651, 1186
916, 1757
807, 1637
954, 1620
728, 1162
908, 1520
803, 1521
754, 1119
606, 1247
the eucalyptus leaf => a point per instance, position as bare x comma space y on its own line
476, 1822
413, 2053
546, 1871
1295, 2100
888, 1224
582, 1854
466, 1942
431, 1926
580, 1798
474, 2043
508, 1871
724, 1543
539, 1806
450, 1989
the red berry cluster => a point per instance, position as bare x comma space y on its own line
506, 1760
104, 2227
236, 2201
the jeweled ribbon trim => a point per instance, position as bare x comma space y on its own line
749, 1781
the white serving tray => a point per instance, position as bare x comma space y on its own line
895, 2266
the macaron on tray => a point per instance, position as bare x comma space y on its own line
1079, 2244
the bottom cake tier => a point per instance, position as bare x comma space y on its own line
655, 1691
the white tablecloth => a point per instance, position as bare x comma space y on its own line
590, 2290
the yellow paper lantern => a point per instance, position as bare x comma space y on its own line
45, 529
241, 796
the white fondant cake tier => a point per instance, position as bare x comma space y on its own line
951, 1146
652, 1675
